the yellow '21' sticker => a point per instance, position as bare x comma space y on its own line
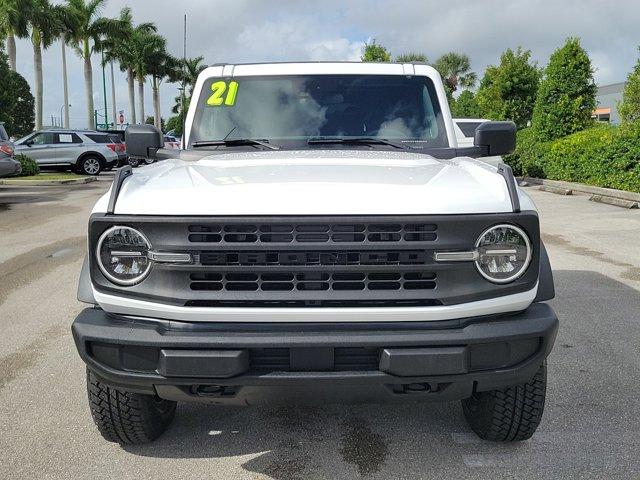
223, 93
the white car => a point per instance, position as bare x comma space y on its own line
321, 237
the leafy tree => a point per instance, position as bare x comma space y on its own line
374, 52
22, 115
175, 123
412, 57
86, 37
465, 106
567, 94
629, 108
192, 67
16, 101
455, 69
14, 21
508, 91
150, 120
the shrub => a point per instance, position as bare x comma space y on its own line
604, 156
29, 166
629, 108
529, 154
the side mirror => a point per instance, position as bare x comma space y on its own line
28, 143
143, 141
495, 138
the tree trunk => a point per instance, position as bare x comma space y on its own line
143, 119
132, 96
113, 98
156, 103
65, 86
88, 85
37, 67
11, 50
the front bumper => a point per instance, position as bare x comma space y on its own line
280, 363
10, 167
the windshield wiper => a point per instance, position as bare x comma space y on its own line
236, 142
354, 140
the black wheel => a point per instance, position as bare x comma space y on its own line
90, 165
510, 414
149, 161
134, 162
126, 417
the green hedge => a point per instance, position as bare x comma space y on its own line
29, 166
604, 156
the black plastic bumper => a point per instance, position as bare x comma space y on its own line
276, 363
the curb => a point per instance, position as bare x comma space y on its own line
587, 189
47, 183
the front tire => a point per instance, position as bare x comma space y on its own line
510, 414
126, 417
90, 165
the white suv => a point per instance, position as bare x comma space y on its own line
321, 237
84, 151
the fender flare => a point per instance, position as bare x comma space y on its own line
546, 288
85, 292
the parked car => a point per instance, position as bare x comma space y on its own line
8, 165
321, 238
171, 142
83, 151
465, 129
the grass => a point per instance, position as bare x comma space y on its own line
51, 176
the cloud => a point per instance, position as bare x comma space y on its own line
252, 30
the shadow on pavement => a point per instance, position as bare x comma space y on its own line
595, 360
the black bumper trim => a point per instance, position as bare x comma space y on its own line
537, 322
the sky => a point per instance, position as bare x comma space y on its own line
291, 30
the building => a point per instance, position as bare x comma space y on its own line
607, 98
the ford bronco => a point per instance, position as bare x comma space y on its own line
320, 237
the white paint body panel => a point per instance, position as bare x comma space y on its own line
140, 308
331, 182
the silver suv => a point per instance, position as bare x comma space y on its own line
83, 151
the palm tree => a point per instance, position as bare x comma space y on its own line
143, 49
14, 22
412, 57
86, 37
118, 48
163, 66
455, 69
191, 69
67, 25
44, 22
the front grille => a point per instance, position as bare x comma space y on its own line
314, 261
313, 233
312, 281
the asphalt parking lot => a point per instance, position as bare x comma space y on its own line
591, 425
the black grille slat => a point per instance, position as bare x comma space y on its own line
313, 233
313, 258
312, 281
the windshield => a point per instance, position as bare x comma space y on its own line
301, 107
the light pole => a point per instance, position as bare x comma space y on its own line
62, 108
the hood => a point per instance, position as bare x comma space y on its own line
326, 182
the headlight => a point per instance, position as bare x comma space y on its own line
504, 253
122, 255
